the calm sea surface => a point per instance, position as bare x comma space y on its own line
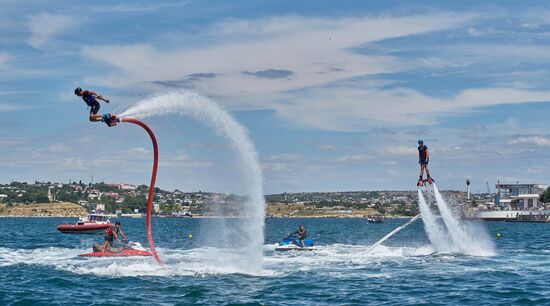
38, 266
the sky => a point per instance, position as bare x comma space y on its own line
334, 94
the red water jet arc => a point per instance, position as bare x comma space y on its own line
151, 186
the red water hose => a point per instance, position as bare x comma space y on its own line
151, 186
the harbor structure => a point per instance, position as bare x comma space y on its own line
516, 202
519, 196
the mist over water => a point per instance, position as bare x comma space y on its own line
468, 238
437, 233
247, 232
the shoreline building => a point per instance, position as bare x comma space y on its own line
519, 196
514, 201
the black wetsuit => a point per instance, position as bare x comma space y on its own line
423, 155
91, 102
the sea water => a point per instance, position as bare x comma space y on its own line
39, 265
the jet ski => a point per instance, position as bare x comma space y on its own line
290, 244
129, 249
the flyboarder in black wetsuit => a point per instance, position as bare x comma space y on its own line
91, 97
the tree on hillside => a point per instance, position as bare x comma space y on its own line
545, 196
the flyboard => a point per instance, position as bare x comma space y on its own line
112, 120
395, 231
424, 182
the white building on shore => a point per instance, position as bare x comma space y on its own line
515, 200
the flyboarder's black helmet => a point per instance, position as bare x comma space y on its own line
77, 91
117, 223
420, 142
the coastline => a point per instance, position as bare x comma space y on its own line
277, 211
42, 210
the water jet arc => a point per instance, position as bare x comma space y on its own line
395, 231
151, 186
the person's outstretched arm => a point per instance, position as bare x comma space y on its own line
122, 234
97, 96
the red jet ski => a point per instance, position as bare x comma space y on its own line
130, 249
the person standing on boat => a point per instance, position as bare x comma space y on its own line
302, 234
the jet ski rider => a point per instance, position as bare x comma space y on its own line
302, 234
111, 234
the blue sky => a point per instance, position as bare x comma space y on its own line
334, 94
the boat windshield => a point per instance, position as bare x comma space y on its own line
97, 218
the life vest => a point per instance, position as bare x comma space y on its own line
109, 234
422, 152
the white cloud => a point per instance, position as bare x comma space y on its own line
354, 158
360, 108
327, 147
59, 148
317, 51
135, 7
44, 26
75, 164
11, 143
138, 151
3, 59
533, 140
401, 150
284, 157
6, 107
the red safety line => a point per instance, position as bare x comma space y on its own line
151, 186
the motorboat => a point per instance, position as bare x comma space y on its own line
376, 219
92, 224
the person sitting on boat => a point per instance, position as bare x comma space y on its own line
302, 234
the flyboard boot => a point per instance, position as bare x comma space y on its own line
420, 182
109, 119
430, 180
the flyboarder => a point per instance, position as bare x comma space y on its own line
423, 159
91, 97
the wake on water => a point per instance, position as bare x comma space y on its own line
455, 236
200, 262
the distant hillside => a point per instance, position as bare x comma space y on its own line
43, 210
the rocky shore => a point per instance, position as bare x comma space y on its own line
42, 210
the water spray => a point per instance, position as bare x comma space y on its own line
250, 227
